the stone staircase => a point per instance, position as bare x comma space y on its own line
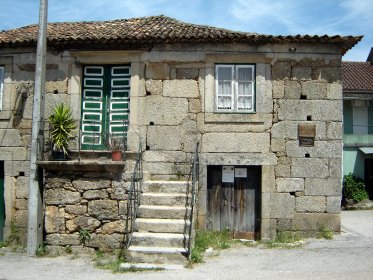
161, 231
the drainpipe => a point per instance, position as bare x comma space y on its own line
35, 207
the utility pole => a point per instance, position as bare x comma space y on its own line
35, 207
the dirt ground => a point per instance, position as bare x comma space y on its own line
348, 256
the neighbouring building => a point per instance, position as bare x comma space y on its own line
266, 110
357, 79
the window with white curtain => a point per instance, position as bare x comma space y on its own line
235, 87
1, 86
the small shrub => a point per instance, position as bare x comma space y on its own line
84, 236
14, 237
68, 249
354, 188
41, 251
288, 237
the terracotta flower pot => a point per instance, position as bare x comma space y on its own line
116, 155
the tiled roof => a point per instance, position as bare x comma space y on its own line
357, 76
150, 30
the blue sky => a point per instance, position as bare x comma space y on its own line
277, 17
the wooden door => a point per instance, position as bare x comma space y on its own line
234, 205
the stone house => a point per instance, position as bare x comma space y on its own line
266, 110
357, 80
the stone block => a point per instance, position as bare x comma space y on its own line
187, 73
103, 209
314, 186
164, 110
238, 159
284, 224
282, 206
336, 168
54, 219
319, 110
123, 209
314, 90
21, 204
166, 168
316, 221
95, 194
180, 88
195, 105
76, 209
56, 86
235, 142
290, 184
190, 136
334, 130
321, 149
335, 91
114, 227
21, 218
268, 179
278, 145
312, 204
278, 88
330, 74
61, 197
154, 87
164, 156
281, 70
106, 242
120, 192
309, 168
166, 138
289, 130
14, 153
91, 184
10, 137
82, 222
293, 89
282, 170
22, 187
301, 73
57, 182
157, 71
333, 204
62, 239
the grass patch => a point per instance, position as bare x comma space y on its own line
285, 239
216, 240
324, 233
108, 261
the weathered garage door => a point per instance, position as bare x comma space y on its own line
233, 199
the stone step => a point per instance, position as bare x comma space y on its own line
163, 212
162, 225
166, 186
176, 199
155, 255
159, 239
151, 266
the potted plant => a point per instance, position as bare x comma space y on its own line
61, 126
116, 145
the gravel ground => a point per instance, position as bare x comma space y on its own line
348, 256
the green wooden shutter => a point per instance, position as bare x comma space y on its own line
105, 105
119, 101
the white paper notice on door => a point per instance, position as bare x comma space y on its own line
240, 172
228, 174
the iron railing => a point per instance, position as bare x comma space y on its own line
133, 201
195, 176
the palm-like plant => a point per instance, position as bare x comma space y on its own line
62, 124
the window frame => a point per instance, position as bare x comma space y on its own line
2, 74
235, 88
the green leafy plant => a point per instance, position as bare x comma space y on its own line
84, 236
62, 124
41, 251
354, 188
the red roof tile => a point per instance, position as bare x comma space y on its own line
150, 30
357, 76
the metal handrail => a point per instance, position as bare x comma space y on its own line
195, 176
